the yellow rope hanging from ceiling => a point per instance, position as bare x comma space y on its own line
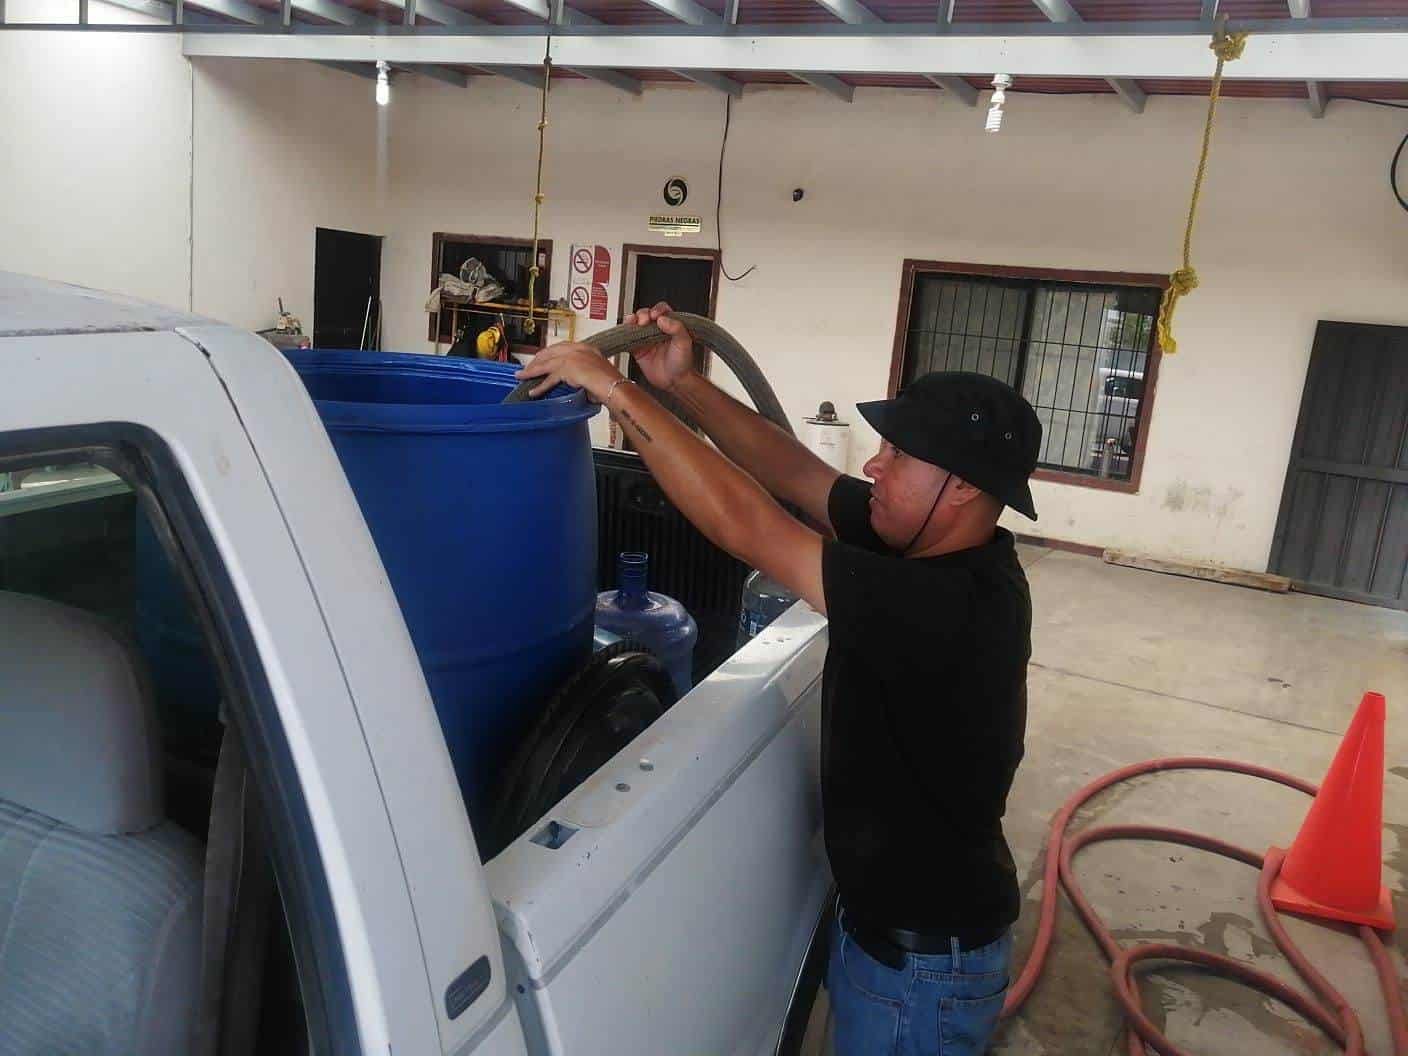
1227, 47
530, 325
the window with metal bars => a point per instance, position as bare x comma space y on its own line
1079, 346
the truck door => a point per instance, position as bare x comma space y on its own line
139, 418
666, 904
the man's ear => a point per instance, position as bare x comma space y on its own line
963, 493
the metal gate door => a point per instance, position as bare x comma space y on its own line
1343, 526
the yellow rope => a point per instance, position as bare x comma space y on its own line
1228, 47
530, 325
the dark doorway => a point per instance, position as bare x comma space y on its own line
686, 283
1343, 526
346, 290
685, 279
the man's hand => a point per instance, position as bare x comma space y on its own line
571, 363
666, 362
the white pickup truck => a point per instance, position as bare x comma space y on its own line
667, 905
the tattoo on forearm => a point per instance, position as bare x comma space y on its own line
625, 416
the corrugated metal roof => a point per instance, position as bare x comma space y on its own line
800, 12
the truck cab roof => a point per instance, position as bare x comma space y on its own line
32, 307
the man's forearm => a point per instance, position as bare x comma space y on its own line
706, 487
774, 457
718, 498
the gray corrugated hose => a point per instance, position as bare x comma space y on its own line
706, 332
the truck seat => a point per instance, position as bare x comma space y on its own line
100, 895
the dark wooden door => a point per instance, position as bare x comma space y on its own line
1343, 526
346, 289
685, 283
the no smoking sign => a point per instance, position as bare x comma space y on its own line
591, 276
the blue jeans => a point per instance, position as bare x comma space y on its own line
936, 1005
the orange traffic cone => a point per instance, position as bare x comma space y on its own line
1334, 868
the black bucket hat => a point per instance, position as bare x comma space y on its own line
969, 424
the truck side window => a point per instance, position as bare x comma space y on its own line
107, 679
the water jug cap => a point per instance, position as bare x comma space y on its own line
632, 573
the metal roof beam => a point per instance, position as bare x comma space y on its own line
444, 74
166, 13
957, 87
238, 10
536, 8
152, 8
717, 81
572, 17
620, 81
1058, 10
830, 84
1316, 98
367, 70
332, 12
356, 69
852, 12
435, 11
686, 11
1371, 53
710, 79
561, 15
521, 74
1129, 92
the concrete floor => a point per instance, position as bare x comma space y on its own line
1129, 665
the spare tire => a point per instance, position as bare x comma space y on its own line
604, 706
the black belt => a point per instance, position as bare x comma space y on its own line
890, 946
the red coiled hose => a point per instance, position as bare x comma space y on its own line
1326, 1007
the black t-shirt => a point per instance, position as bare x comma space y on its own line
924, 706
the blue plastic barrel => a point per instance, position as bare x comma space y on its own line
485, 517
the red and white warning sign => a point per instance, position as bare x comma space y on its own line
591, 278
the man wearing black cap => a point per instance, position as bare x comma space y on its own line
924, 692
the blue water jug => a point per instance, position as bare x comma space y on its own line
764, 600
659, 623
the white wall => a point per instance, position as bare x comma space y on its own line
281, 149
1297, 225
95, 154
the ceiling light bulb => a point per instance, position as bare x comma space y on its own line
383, 83
1000, 83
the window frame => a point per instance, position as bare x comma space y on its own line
437, 253
914, 268
142, 459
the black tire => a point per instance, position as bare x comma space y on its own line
604, 706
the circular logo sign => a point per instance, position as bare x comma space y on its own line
676, 191
580, 297
582, 260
